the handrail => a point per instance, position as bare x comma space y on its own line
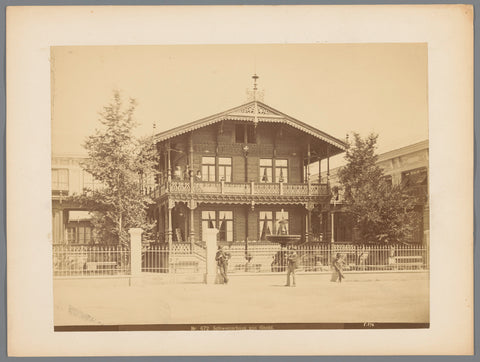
244, 188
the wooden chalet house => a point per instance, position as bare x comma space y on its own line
242, 171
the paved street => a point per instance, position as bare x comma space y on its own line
379, 297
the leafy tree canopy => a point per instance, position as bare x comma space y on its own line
382, 212
119, 162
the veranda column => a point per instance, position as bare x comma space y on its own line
192, 205
308, 221
169, 163
160, 223
333, 230
63, 229
308, 162
170, 206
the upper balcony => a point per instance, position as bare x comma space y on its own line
242, 189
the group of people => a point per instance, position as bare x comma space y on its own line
179, 175
292, 265
223, 256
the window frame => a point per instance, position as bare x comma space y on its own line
56, 179
229, 236
281, 167
206, 176
270, 223
223, 167
266, 169
216, 217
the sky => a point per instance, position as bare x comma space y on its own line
337, 88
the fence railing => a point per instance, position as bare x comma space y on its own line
95, 260
178, 258
90, 260
263, 258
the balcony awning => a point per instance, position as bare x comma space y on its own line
79, 215
415, 178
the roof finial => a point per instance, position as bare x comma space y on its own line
255, 94
255, 77
255, 120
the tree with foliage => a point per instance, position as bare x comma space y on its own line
119, 162
381, 212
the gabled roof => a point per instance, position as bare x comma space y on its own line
253, 111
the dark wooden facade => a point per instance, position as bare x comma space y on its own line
241, 171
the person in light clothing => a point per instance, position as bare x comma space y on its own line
292, 260
337, 266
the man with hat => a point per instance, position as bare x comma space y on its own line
222, 263
292, 259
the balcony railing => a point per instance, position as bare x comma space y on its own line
245, 188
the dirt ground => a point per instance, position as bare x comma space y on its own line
379, 297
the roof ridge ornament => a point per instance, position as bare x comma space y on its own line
255, 94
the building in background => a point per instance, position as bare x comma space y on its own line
406, 166
70, 223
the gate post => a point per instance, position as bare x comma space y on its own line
135, 251
211, 272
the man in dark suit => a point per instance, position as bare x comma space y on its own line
222, 263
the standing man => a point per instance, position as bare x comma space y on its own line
292, 259
222, 263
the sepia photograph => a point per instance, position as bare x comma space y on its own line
239, 180
210, 187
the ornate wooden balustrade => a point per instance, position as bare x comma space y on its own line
239, 189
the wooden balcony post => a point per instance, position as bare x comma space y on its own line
308, 220
222, 185
281, 187
320, 171
169, 163
192, 205
308, 160
252, 187
170, 206
328, 168
332, 240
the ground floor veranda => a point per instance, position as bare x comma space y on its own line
186, 221
178, 221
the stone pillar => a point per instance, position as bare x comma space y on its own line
211, 240
135, 251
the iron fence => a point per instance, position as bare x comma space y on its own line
179, 258
261, 258
90, 260
184, 258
